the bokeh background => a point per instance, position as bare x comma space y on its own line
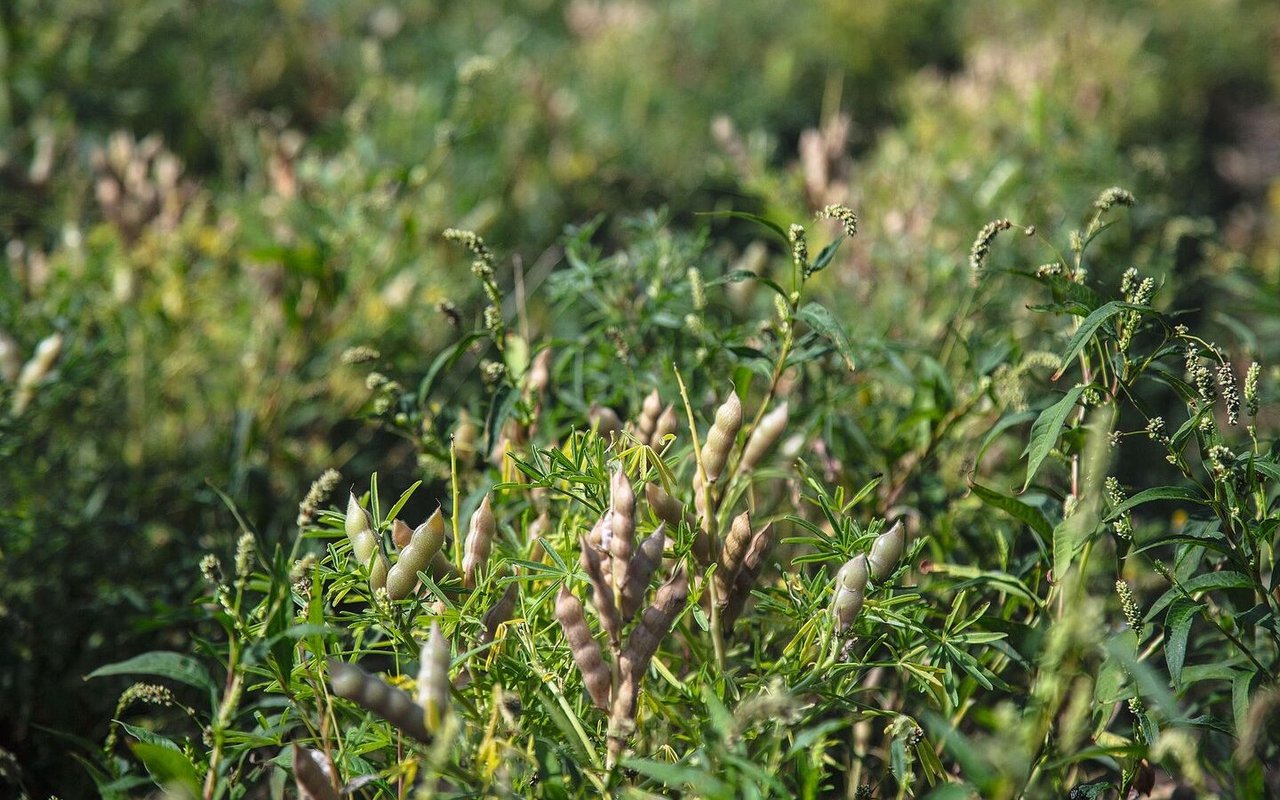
208, 202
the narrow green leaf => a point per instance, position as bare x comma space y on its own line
702, 784
162, 664
767, 224
169, 768
824, 322
1044, 433
1177, 625
824, 258
1086, 331
1157, 493
1023, 512
1209, 581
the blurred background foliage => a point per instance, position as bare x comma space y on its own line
210, 202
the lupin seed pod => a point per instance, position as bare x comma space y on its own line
646, 559
424, 543
373, 694
539, 530
764, 436
479, 542
850, 592
464, 438
359, 527
539, 375
656, 623
584, 647
604, 420
622, 523
732, 553
601, 592
747, 575
715, 450
378, 572
666, 426
886, 551
433, 678
498, 613
401, 533
313, 775
650, 410
664, 506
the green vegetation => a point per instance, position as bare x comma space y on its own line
632, 330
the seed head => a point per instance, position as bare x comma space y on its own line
845, 215
1112, 197
982, 245
1230, 392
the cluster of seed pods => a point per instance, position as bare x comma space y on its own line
419, 549
852, 578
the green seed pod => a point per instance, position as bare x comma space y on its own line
746, 578
424, 543
715, 450
604, 421
666, 426
441, 568
731, 555
622, 524
373, 694
433, 678
656, 623
499, 613
584, 647
313, 774
647, 558
378, 572
850, 592
764, 436
601, 592
359, 527
886, 551
479, 542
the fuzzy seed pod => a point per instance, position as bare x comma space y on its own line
656, 623
850, 592
604, 421
401, 534
424, 543
666, 426
715, 450
498, 613
441, 568
886, 551
746, 578
764, 436
464, 438
378, 572
646, 559
731, 555
601, 591
664, 506
622, 524
479, 542
392, 704
648, 419
433, 678
584, 647
313, 775
359, 527
539, 375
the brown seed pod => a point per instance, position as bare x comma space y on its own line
441, 568
584, 647
601, 592
622, 524
401, 533
886, 551
666, 426
392, 704
656, 623
539, 375
604, 421
646, 559
850, 592
479, 542
465, 435
747, 576
764, 436
424, 543
622, 714
731, 555
498, 613
715, 450
664, 506
313, 774
433, 678
648, 419
359, 526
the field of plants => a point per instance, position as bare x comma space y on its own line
581, 398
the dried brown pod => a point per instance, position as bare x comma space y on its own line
850, 592
584, 647
604, 421
433, 678
650, 410
664, 506
747, 576
313, 775
424, 544
479, 542
764, 436
601, 592
720, 438
539, 375
646, 559
886, 551
465, 435
666, 426
733, 551
622, 525
373, 694
401, 533
656, 623
498, 613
